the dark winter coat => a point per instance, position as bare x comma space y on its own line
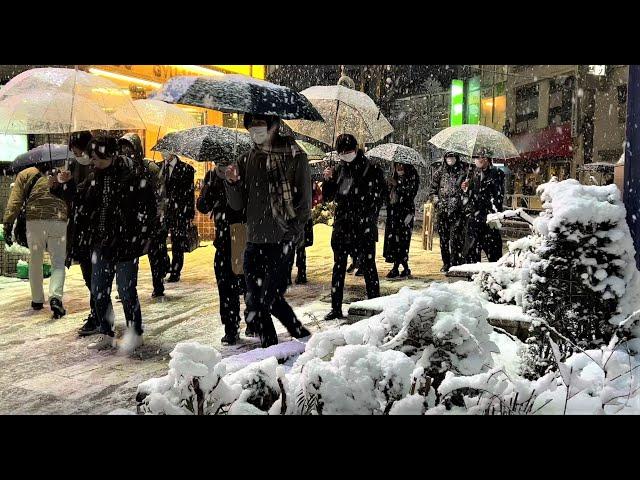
401, 211
79, 173
485, 194
115, 212
179, 191
251, 192
359, 190
445, 185
213, 200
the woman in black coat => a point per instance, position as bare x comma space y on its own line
403, 188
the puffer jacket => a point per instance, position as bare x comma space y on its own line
41, 205
446, 185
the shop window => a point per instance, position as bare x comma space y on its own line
622, 104
527, 105
560, 100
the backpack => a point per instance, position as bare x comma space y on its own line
20, 229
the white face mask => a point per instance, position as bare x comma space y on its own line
451, 161
83, 160
348, 157
259, 135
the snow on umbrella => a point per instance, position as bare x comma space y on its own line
474, 140
57, 92
207, 143
154, 113
42, 154
237, 94
50, 112
313, 152
345, 111
393, 152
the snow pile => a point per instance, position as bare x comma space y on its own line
16, 249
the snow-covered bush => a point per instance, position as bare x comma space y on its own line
578, 277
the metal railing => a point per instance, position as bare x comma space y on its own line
518, 200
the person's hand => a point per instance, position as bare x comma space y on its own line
231, 174
64, 176
465, 186
8, 227
53, 181
328, 173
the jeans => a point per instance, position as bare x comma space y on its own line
126, 273
266, 273
49, 235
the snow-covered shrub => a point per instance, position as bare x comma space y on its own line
501, 285
578, 277
193, 386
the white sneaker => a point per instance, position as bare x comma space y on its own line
103, 342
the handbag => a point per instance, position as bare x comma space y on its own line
193, 239
20, 229
238, 245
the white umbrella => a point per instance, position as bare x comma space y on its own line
156, 114
393, 152
474, 140
60, 92
344, 111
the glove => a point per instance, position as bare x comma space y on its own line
8, 228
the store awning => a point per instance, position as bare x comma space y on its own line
553, 141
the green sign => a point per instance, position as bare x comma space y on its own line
457, 102
473, 101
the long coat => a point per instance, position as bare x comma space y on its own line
179, 192
401, 211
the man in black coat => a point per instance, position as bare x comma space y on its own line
179, 212
484, 194
359, 190
120, 211
445, 189
213, 200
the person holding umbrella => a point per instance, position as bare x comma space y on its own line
46, 230
213, 200
359, 190
447, 198
401, 209
273, 183
483, 194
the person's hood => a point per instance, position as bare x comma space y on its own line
135, 142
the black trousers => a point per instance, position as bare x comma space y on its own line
300, 261
266, 269
86, 267
230, 287
451, 233
177, 251
159, 262
483, 238
366, 254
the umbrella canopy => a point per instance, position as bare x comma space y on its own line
313, 152
393, 152
57, 92
160, 115
207, 143
237, 94
42, 154
345, 111
474, 140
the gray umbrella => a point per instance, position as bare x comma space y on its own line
208, 143
42, 154
393, 152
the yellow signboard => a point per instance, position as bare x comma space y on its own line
162, 73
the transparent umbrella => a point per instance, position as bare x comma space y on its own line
156, 114
474, 140
57, 92
344, 111
393, 152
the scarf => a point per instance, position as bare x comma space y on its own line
280, 195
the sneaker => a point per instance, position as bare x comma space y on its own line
157, 294
300, 332
334, 314
130, 342
393, 273
230, 338
351, 268
266, 342
173, 278
301, 279
103, 342
250, 332
56, 308
37, 306
90, 327
359, 273
445, 268
405, 273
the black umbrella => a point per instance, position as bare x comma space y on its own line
208, 143
48, 152
238, 94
